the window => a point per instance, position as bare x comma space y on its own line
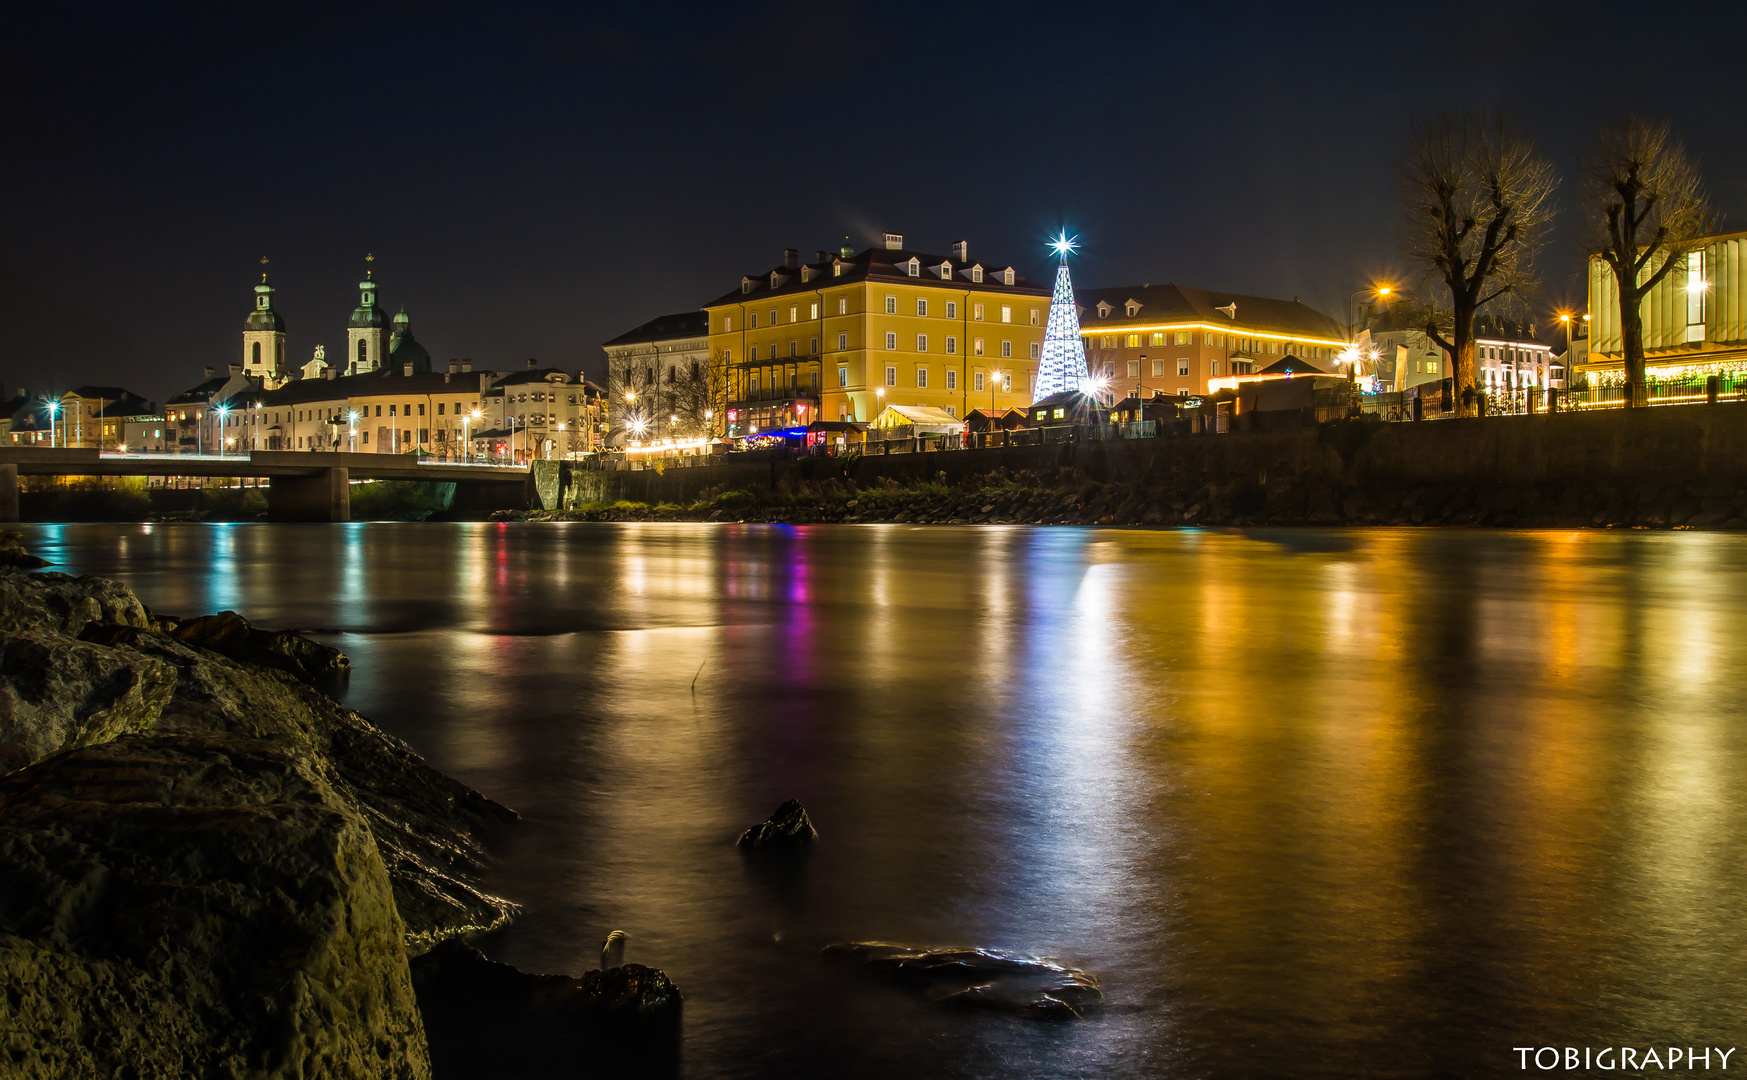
1036, 350
952, 345
842, 342
390, 412
922, 308
773, 319
794, 314
913, 268
977, 312
891, 376
891, 305
842, 377
1110, 370
813, 309
921, 342
843, 305
977, 381
1036, 318
379, 410
976, 346
1134, 369
439, 408
813, 347
951, 379
1210, 338
794, 348
773, 350
1182, 391
1133, 341
1006, 313
727, 324
836, 269
952, 309
1108, 341
922, 377
1006, 348
754, 318
257, 354
1432, 366
891, 341
1158, 369
363, 351
1273, 348
1182, 337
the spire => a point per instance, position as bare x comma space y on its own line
263, 269
1063, 366
368, 259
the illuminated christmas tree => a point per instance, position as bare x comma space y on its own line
1064, 354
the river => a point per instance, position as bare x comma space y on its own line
1309, 802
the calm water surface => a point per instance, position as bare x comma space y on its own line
1309, 802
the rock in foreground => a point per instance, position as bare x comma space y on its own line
490, 1019
196, 906
788, 829
229, 634
978, 978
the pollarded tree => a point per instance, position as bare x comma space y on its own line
1644, 212
1478, 202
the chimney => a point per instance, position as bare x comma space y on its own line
961, 251
330, 372
454, 365
821, 256
406, 369
894, 241
467, 365
791, 258
236, 369
532, 363
209, 373
447, 375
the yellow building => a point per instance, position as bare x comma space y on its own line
845, 335
1694, 322
1175, 340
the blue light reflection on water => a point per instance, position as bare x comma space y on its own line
1313, 803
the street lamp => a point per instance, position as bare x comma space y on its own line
223, 411
1382, 292
466, 431
54, 407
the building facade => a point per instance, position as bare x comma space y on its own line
1694, 320
659, 379
845, 335
264, 339
542, 412
1174, 340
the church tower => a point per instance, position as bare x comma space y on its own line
367, 333
264, 337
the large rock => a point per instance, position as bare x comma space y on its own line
229, 634
788, 829
61, 604
968, 978
57, 694
490, 1019
201, 906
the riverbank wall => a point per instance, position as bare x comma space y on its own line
1676, 466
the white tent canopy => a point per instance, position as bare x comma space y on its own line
923, 419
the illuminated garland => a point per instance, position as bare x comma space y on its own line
1681, 373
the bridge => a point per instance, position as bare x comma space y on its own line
302, 485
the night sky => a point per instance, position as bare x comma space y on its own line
534, 181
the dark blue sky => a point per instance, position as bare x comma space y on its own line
535, 180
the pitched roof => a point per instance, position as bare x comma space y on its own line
1291, 365
681, 324
1171, 303
370, 384
875, 264
532, 375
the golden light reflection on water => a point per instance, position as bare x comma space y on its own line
1311, 802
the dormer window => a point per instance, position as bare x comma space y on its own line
1007, 276
913, 268
837, 268
1132, 308
775, 279
977, 274
745, 285
946, 271
806, 274
1103, 309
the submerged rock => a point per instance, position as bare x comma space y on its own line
12, 552
486, 1018
787, 829
198, 906
57, 694
970, 978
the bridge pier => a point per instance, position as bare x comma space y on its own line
326, 496
8, 493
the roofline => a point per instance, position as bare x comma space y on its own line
1226, 329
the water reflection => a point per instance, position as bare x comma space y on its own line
1313, 802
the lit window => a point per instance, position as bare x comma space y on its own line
891, 376
951, 379
1133, 341
1036, 318
836, 269
1006, 348
814, 309
842, 342
977, 381
922, 377
952, 309
842, 377
977, 312
794, 314
976, 346
1006, 313
922, 308
843, 305
891, 305
891, 340
921, 342
1182, 337
952, 345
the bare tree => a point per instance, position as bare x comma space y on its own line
1645, 210
1478, 201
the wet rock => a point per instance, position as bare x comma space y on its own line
12, 552
229, 634
787, 829
968, 978
197, 907
62, 604
57, 694
486, 1018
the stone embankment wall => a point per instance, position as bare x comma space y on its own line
1654, 467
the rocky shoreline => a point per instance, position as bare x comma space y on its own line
208, 866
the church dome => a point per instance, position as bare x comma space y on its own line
265, 319
367, 316
404, 350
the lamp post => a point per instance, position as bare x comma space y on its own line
1380, 291
54, 407
223, 411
